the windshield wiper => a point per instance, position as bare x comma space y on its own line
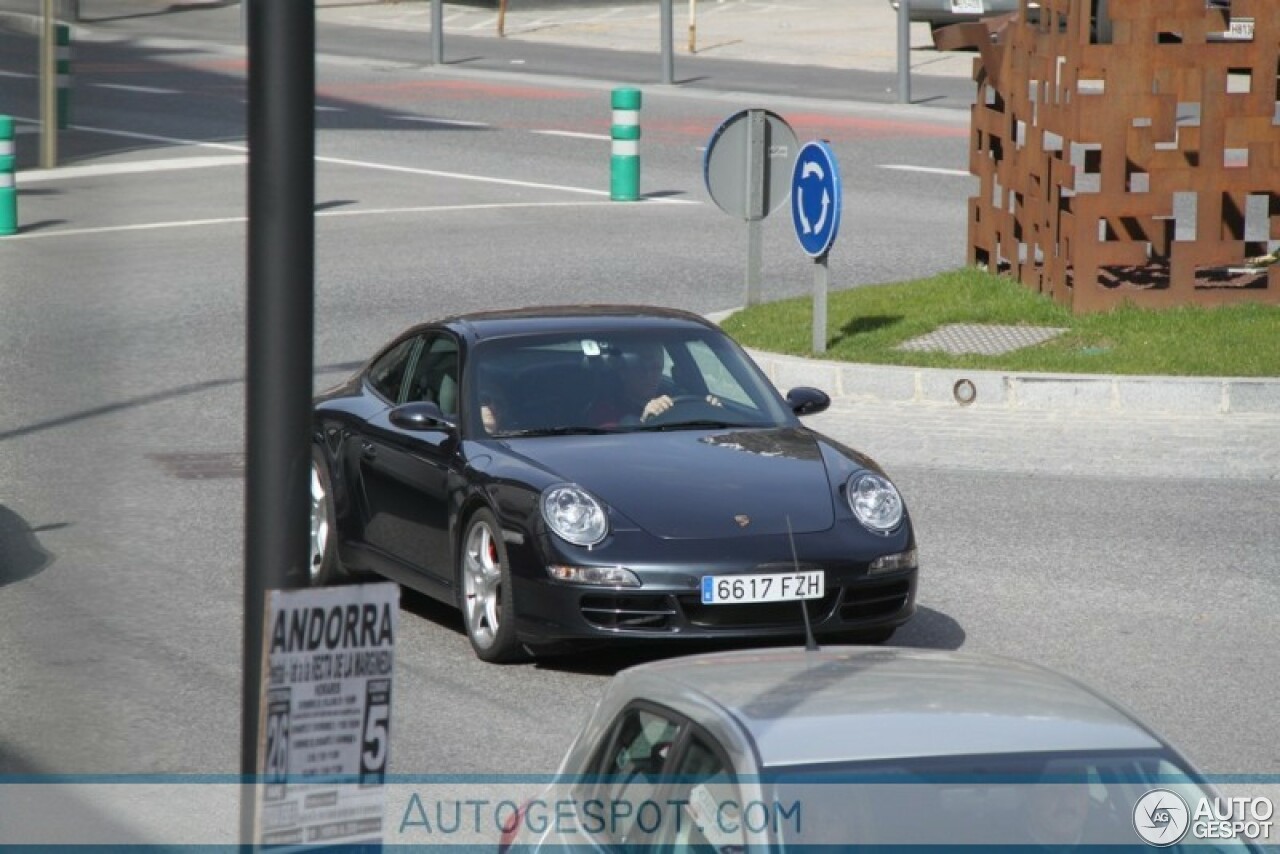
552, 431
701, 424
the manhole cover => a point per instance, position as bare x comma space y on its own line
201, 466
981, 338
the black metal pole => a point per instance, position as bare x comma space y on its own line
281, 302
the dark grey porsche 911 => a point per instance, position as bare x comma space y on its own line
602, 473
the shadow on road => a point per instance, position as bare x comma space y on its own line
929, 629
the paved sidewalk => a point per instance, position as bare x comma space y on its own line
851, 34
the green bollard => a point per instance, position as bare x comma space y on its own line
63, 56
8, 192
624, 171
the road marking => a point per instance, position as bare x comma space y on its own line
145, 90
17, 74
573, 134
450, 122
321, 108
931, 170
238, 220
363, 164
34, 176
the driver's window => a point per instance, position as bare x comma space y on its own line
716, 376
388, 372
435, 376
703, 784
633, 767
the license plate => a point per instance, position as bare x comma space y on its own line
774, 587
966, 7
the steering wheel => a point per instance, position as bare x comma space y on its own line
683, 403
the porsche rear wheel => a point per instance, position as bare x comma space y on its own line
485, 591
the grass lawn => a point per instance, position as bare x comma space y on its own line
866, 324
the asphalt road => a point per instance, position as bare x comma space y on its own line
121, 336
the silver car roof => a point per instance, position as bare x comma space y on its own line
843, 704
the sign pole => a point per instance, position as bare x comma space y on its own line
48, 90
281, 295
821, 279
757, 158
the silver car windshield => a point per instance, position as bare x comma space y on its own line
1053, 800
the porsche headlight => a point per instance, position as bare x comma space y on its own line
875, 502
574, 514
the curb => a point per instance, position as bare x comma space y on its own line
854, 382
1030, 392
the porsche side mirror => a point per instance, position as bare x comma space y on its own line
807, 401
421, 416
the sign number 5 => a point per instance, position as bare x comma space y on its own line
377, 737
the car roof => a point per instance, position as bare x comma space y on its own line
569, 319
844, 704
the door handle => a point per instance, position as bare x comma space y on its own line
368, 450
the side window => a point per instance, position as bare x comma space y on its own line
633, 765
435, 376
387, 374
719, 381
703, 784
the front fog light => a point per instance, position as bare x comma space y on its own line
874, 501
599, 576
894, 563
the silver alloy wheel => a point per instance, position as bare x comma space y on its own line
481, 584
319, 522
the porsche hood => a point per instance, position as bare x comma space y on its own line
696, 484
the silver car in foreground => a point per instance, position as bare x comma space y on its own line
777, 748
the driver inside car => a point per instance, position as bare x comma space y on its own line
637, 397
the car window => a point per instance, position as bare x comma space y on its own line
1060, 799
632, 766
703, 785
602, 380
716, 376
435, 374
388, 372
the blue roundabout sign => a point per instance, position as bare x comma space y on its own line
816, 198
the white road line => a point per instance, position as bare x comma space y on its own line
34, 176
451, 122
238, 220
17, 74
927, 169
573, 134
362, 164
324, 109
145, 90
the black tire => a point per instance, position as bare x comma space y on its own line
325, 568
485, 591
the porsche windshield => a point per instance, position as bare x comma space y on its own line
619, 381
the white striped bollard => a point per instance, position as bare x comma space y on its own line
624, 163
8, 192
62, 33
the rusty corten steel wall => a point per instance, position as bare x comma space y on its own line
1129, 170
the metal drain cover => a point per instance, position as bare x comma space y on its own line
982, 339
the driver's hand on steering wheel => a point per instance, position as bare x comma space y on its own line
656, 407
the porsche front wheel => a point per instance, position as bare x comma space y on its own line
485, 591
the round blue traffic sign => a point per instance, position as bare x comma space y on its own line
815, 198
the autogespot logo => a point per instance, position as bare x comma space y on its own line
1161, 817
